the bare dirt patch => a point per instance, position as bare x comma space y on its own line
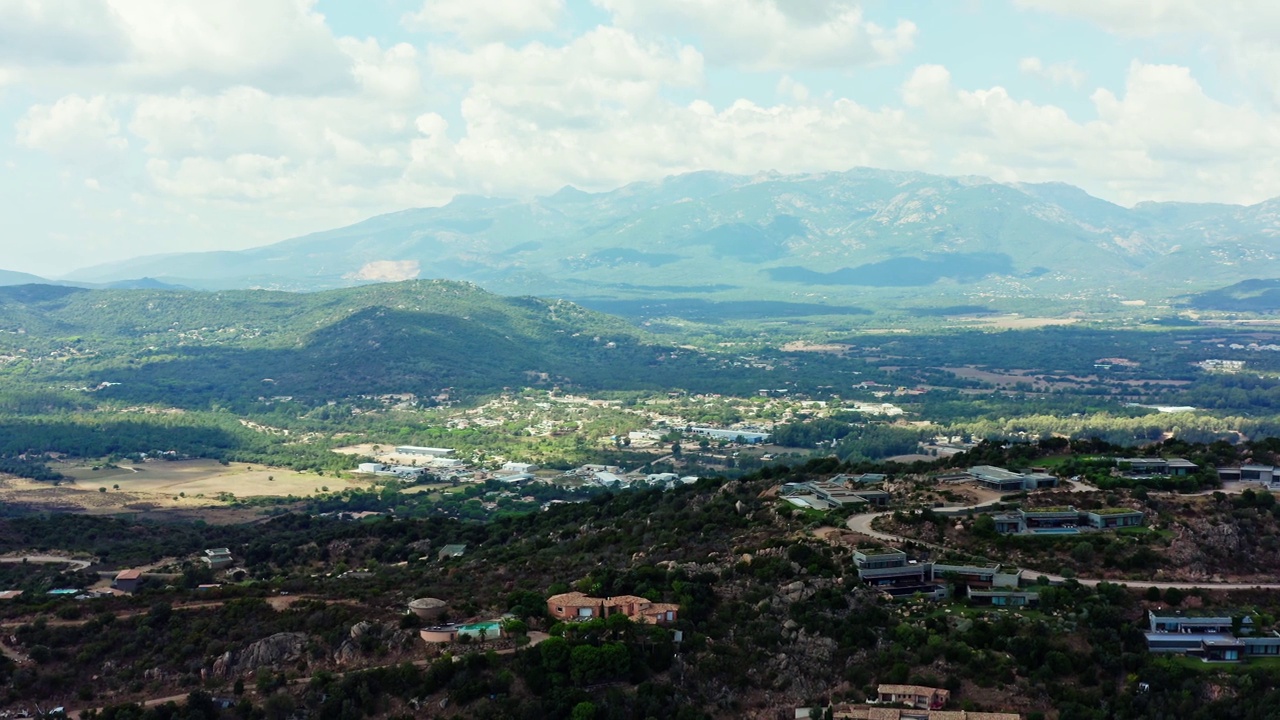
384, 454
801, 346
1018, 322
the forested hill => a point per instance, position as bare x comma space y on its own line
1261, 296
191, 348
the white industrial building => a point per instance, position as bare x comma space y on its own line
426, 451
519, 467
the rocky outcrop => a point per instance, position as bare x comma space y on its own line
365, 636
268, 652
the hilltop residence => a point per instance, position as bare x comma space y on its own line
1065, 520
127, 580
863, 479
1149, 467
1007, 481
917, 696
822, 495
451, 551
217, 558
1004, 597
1211, 638
875, 712
578, 606
892, 572
1264, 474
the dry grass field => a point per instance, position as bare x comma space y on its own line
185, 485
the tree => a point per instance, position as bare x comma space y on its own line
1174, 596
1083, 552
584, 711
984, 527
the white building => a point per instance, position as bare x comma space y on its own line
519, 468
427, 451
371, 468
743, 436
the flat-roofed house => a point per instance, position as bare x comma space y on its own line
1109, 518
1158, 466
217, 558
890, 570
1007, 481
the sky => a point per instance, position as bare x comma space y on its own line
132, 127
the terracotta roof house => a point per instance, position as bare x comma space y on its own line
917, 696
127, 580
579, 606
871, 712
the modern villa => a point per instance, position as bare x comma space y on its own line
1065, 520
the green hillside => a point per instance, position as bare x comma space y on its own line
1260, 296
190, 348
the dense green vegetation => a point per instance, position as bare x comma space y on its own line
1082, 653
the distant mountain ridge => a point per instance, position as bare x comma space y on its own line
840, 236
9, 278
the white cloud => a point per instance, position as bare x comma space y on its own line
1057, 73
60, 31
277, 45
771, 34
77, 129
480, 21
1153, 17
791, 90
1163, 139
1240, 33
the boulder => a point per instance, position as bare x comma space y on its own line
268, 652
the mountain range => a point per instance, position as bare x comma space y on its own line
835, 238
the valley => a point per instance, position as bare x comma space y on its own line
209, 455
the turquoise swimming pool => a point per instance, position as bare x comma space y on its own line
1056, 531
492, 630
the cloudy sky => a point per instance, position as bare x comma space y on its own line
131, 127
